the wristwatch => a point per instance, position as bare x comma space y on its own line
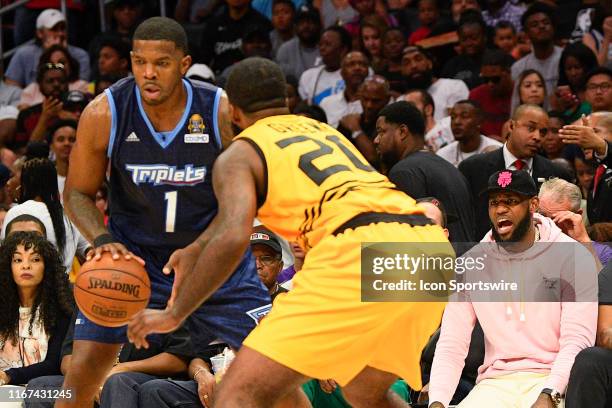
555, 396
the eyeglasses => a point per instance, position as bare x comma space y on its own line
508, 202
491, 79
51, 65
267, 260
603, 87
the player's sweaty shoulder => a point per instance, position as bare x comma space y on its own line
95, 122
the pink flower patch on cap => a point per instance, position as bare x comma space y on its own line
504, 179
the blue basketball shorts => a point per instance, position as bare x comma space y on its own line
229, 314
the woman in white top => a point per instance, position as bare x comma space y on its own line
39, 196
35, 312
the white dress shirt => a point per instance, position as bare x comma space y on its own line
509, 160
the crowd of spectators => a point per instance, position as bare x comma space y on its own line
440, 95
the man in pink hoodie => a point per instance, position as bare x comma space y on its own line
530, 346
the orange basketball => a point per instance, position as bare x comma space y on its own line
109, 292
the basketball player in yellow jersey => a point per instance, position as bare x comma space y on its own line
306, 182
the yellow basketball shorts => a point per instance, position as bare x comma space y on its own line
323, 330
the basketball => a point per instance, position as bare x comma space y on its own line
109, 292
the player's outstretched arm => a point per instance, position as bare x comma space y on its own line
237, 177
88, 162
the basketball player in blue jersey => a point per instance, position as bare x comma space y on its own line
161, 134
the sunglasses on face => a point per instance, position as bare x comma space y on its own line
491, 79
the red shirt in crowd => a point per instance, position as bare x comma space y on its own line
496, 110
419, 34
45, 4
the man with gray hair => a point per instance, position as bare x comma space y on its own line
560, 201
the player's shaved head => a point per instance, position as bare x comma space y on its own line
256, 84
162, 29
519, 111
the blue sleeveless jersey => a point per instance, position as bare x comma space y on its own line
161, 194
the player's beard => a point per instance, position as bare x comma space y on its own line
518, 234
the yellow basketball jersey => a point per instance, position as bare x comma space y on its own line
317, 180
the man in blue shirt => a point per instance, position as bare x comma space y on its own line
50, 30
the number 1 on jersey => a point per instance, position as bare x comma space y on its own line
170, 197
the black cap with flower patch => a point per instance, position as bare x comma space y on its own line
516, 181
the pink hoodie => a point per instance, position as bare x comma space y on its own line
537, 337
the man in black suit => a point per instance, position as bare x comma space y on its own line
528, 127
400, 143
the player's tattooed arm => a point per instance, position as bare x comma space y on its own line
87, 169
85, 215
88, 164
225, 122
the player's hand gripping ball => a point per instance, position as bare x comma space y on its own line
110, 291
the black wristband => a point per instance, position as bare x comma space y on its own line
103, 240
